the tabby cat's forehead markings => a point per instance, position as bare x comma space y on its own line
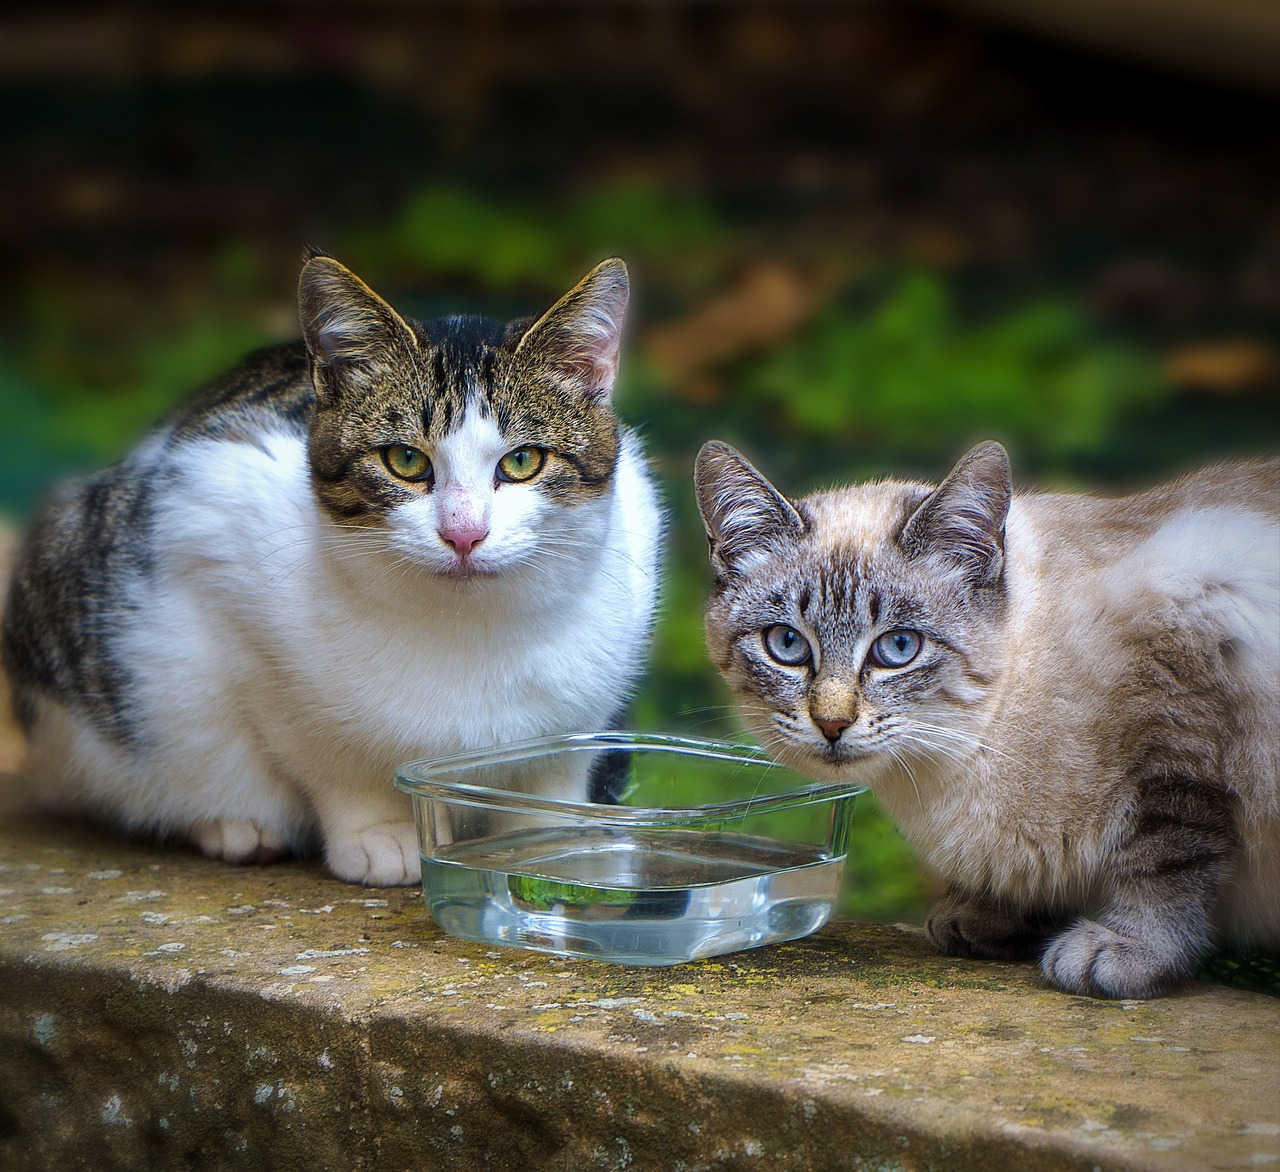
439, 376
837, 586
460, 371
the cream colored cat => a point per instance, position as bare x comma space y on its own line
1071, 706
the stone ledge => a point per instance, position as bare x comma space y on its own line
161, 1010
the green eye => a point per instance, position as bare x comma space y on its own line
406, 462
521, 464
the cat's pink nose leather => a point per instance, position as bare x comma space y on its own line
463, 541
831, 729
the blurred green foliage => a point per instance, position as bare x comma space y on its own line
889, 376
64, 409
1255, 970
447, 232
907, 375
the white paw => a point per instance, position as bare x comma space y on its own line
239, 840
385, 855
1098, 961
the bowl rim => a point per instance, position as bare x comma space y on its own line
422, 778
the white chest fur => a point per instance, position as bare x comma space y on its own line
272, 641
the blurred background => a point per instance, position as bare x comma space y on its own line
862, 234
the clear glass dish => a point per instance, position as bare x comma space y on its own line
711, 847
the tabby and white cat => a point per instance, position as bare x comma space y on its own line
1071, 706
389, 540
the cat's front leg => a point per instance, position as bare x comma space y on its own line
1166, 884
961, 924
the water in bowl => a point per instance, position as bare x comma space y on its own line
621, 894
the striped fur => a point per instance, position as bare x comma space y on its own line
1091, 728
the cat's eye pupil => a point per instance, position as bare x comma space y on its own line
786, 645
521, 464
408, 463
896, 648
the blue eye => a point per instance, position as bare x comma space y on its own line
896, 648
786, 645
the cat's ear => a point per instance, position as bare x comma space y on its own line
576, 341
743, 513
963, 519
350, 332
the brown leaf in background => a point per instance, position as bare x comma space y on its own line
937, 244
1228, 366
764, 307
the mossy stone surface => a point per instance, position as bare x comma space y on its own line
159, 1009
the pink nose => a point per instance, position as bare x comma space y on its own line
831, 729
463, 541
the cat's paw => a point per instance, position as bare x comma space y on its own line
384, 855
960, 925
239, 840
1097, 961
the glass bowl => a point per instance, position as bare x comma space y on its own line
710, 848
